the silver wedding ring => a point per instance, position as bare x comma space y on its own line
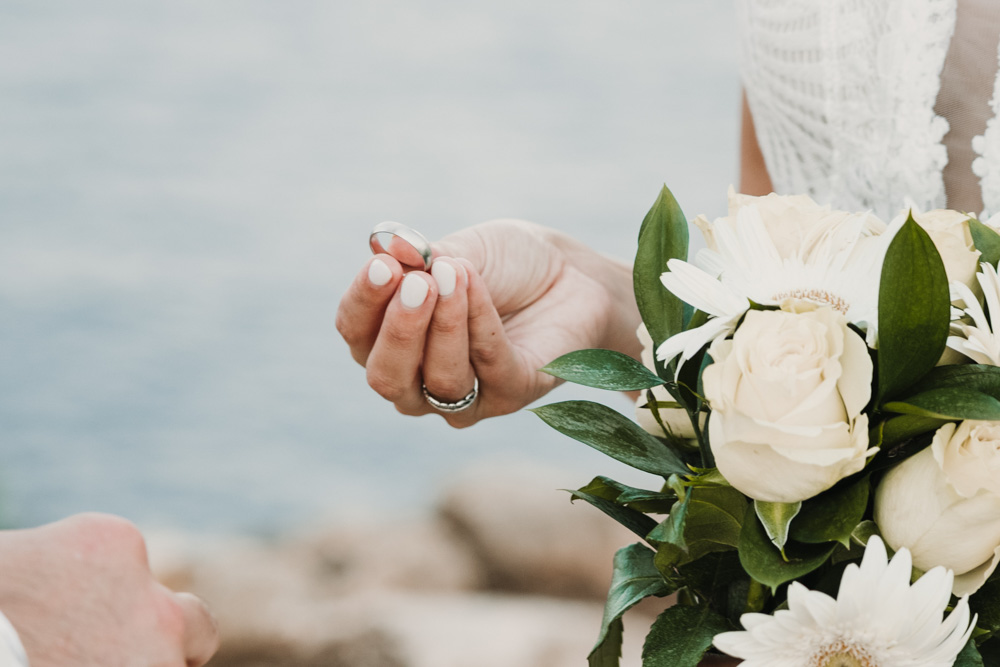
459, 405
404, 243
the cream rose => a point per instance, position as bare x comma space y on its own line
943, 504
795, 223
949, 230
787, 394
676, 419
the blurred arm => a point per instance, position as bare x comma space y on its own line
754, 179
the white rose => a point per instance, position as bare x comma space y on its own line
794, 223
943, 504
949, 230
787, 394
676, 419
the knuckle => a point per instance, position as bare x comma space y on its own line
110, 533
446, 326
485, 355
401, 334
384, 385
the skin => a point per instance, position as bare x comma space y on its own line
525, 295
80, 592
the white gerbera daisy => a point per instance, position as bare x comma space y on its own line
877, 620
978, 341
839, 267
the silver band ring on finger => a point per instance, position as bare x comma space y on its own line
415, 251
459, 405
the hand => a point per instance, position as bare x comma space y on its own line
80, 592
505, 298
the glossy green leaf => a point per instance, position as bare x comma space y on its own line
708, 520
986, 240
644, 500
969, 656
636, 521
979, 377
776, 518
633, 579
913, 311
834, 514
680, 636
609, 432
863, 532
903, 427
603, 369
948, 403
765, 563
663, 236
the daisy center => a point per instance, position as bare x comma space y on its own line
841, 654
815, 295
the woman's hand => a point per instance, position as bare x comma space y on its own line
504, 299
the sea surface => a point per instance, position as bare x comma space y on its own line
186, 189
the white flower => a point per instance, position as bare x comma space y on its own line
830, 257
877, 620
675, 419
949, 230
977, 340
787, 394
943, 503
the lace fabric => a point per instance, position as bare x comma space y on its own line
869, 104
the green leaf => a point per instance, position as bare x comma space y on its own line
634, 578
680, 636
765, 563
604, 369
775, 518
636, 521
913, 311
834, 514
663, 236
709, 519
609, 432
658, 502
864, 531
948, 403
969, 656
968, 376
986, 240
903, 427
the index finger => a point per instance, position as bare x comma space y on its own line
361, 309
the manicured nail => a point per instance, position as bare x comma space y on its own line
414, 291
445, 275
379, 273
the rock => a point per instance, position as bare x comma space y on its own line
528, 537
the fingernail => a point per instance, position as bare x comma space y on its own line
414, 291
446, 277
379, 273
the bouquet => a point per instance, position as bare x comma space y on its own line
820, 392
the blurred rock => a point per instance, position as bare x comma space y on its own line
527, 535
428, 593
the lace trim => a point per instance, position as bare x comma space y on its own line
987, 146
843, 95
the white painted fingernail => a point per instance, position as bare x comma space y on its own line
446, 277
379, 273
414, 290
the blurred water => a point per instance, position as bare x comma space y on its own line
186, 189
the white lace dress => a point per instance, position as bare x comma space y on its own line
877, 104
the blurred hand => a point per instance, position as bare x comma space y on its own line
505, 298
80, 592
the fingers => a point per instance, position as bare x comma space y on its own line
201, 632
393, 365
447, 372
360, 313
